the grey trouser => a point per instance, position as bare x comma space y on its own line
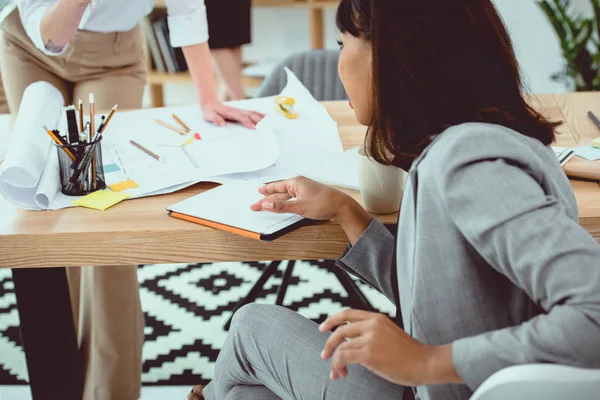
272, 353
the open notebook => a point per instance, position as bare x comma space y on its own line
227, 207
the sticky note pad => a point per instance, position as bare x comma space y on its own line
101, 199
111, 168
596, 143
121, 186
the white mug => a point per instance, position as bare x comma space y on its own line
381, 186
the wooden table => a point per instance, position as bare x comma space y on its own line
140, 232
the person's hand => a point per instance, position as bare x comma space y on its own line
375, 342
304, 197
219, 113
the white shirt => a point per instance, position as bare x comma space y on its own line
187, 18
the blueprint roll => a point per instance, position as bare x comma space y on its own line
27, 176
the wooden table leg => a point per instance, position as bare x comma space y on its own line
48, 333
157, 95
317, 29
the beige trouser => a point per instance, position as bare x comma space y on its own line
106, 302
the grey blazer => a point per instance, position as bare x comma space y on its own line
489, 257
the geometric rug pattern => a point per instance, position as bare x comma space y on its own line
186, 307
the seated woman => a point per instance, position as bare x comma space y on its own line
489, 268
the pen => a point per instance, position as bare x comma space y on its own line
105, 123
80, 116
180, 122
145, 150
594, 119
171, 127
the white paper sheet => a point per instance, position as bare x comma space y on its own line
304, 141
229, 204
564, 154
337, 170
588, 152
30, 150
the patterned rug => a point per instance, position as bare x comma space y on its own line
186, 307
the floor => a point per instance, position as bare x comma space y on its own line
185, 308
148, 393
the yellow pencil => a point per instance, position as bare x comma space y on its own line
112, 112
60, 144
180, 122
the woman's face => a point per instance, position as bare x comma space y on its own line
355, 69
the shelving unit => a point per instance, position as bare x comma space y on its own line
315, 8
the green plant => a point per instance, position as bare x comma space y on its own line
580, 42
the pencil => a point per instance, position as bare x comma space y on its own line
145, 150
180, 122
112, 112
60, 144
92, 116
80, 116
171, 127
594, 119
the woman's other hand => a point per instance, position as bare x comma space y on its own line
219, 114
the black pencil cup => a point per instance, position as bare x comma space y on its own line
81, 170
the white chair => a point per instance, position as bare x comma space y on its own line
541, 381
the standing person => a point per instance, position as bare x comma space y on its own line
96, 46
490, 267
229, 26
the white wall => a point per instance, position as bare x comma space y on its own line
279, 32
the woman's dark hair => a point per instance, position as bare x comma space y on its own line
437, 63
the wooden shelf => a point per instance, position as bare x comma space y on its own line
310, 4
160, 78
316, 8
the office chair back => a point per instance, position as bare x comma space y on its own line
316, 69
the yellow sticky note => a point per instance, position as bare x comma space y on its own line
596, 143
101, 199
121, 186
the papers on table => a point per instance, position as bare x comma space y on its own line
588, 152
279, 148
563, 154
304, 141
338, 170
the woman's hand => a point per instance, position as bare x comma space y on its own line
304, 197
219, 113
375, 342
315, 201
